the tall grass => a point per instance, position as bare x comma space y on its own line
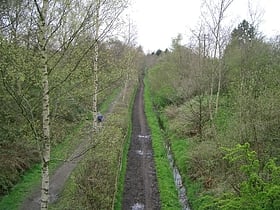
168, 193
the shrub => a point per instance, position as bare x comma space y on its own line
256, 188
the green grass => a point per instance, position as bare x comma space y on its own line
70, 187
32, 177
180, 149
119, 195
168, 193
17, 194
225, 115
109, 100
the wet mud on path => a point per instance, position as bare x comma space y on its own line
140, 188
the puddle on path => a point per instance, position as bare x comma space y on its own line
144, 136
148, 154
138, 206
139, 152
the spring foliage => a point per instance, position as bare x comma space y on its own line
232, 157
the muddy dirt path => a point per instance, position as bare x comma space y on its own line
140, 189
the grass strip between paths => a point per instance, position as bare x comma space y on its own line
71, 186
168, 193
121, 180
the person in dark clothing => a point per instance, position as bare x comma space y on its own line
100, 118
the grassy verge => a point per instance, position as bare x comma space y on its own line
32, 177
180, 149
119, 195
185, 150
168, 193
106, 105
100, 191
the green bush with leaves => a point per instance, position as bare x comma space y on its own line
255, 187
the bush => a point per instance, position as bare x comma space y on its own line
15, 158
256, 188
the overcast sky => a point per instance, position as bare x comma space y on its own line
158, 21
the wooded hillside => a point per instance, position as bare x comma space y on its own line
221, 116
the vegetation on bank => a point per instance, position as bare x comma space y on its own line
168, 192
48, 74
225, 141
98, 178
118, 197
31, 179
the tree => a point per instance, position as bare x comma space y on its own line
46, 144
43, 46
158, 52
244, 33
95, 62
216, 12
105, 18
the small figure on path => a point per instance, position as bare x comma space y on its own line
100, 118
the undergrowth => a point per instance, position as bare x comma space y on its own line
61, 151
168, 193
31, 179
97, 182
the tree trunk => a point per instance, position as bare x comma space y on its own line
219, 84
95, 66
45, 103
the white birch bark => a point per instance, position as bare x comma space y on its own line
95, 65
217, 15
45, 103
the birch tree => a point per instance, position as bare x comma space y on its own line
131, 53
95, 64
106, 16
42, 41
51, 30
47, 29
213, 17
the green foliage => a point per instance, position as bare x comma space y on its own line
245, 32
12, 168
177, 76
248, 112
188, 119
19, 93
96, 183
30, 179
168, 192
258, 188
123, 159
70, 80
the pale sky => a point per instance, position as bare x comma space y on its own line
158, 21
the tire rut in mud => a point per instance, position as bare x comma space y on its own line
140, 189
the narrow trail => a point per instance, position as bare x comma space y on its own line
140, 189
61, 175
59, 178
